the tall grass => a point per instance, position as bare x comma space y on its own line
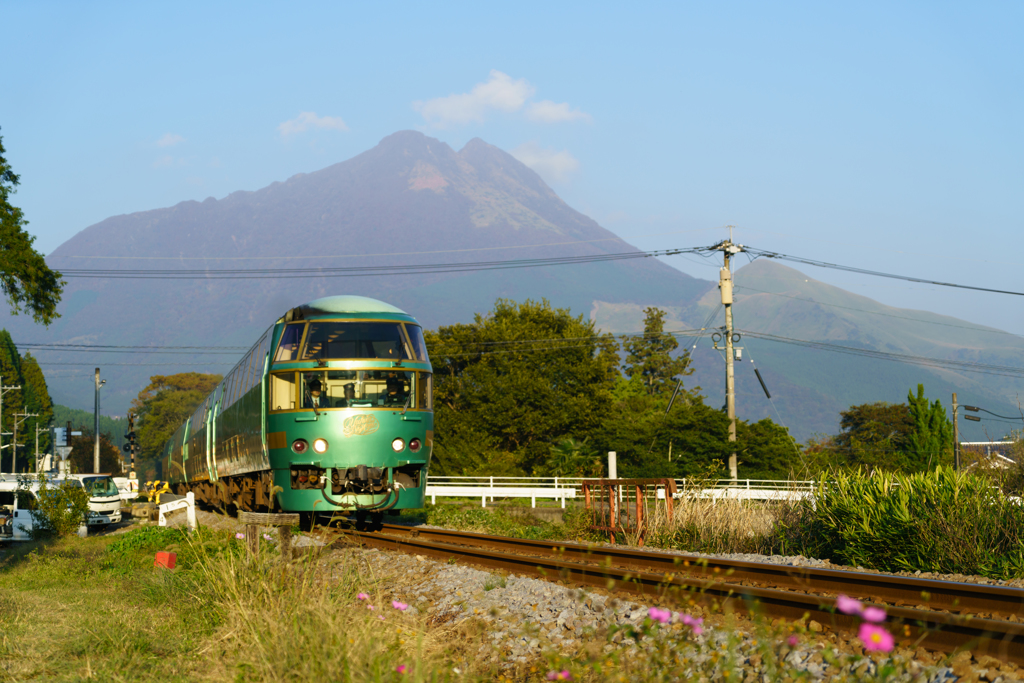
706, 525
940, 521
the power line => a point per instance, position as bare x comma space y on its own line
364, 271
864, 271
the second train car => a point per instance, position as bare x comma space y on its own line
331, 410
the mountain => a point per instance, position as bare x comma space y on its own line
409, 200
810, 386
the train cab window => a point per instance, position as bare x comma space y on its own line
344, 340
282, 391
328, 389
416, 339
288, 348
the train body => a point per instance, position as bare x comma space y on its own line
331, 410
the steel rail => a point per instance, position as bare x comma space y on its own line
936, 630
963, 598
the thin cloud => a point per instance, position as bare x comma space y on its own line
547, 111
169, 140
552, 165
307, 120
499, 92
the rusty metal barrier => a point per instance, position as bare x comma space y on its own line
620, 505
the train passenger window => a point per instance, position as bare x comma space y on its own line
288, 349
416, 339
282, 391
332, 339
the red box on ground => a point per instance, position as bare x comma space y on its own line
165, 560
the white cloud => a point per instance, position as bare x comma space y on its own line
547, 111
498, 92
551, 165
169, 140
309, 119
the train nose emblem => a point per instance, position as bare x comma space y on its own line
359, 425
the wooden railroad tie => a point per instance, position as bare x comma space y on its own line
284, 521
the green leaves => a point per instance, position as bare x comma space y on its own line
650, 356
164, 405
25, 278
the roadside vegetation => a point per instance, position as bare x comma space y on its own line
75, 609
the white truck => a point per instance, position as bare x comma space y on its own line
17, 502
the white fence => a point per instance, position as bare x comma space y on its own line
561, 488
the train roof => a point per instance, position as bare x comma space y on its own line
341, 304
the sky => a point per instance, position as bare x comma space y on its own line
880, 135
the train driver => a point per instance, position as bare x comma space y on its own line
395, 391
350, 396
314, 399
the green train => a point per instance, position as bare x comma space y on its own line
330, 411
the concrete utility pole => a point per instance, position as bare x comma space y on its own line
4, 390
38, 430
725, 285
96, 422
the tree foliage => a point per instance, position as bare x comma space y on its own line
164, 405
931, 441
650, 355
59, 509
515, 381
82, 458
25, 279
33, 397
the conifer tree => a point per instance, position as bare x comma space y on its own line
37, 400
931, 441
650, 355
13, 402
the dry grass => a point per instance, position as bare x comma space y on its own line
725, 525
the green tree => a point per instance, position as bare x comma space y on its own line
164, 405
59, 509
38, 401
650, 355
571, 458
513, 382
25, 279
14, 400
930, 443
874, 436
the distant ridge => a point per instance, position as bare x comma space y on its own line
409, 194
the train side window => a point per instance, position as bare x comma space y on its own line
425, 400
282, 391
288, 349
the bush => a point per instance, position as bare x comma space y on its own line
940, 521
58, 510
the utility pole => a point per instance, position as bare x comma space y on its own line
725, 285
4, 390
956, 438
14, 444
96, 422
38, 430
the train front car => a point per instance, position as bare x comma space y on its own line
349, 408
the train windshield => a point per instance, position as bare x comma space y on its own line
343, 340
327, 389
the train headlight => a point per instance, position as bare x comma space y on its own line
398, 445
414, 445
320, 445
300, 446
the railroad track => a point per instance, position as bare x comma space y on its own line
939, 615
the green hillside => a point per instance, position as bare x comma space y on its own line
114, 428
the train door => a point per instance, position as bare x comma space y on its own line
211, 436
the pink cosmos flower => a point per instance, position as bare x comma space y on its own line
401, 669
267, 536
370, 607
401, 606
381, 617
694, 624
875, 638
362, 596
240, 536
792, 640
848, 605
562, 675
873, 614
662, 616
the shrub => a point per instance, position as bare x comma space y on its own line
58, 510
940, 521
